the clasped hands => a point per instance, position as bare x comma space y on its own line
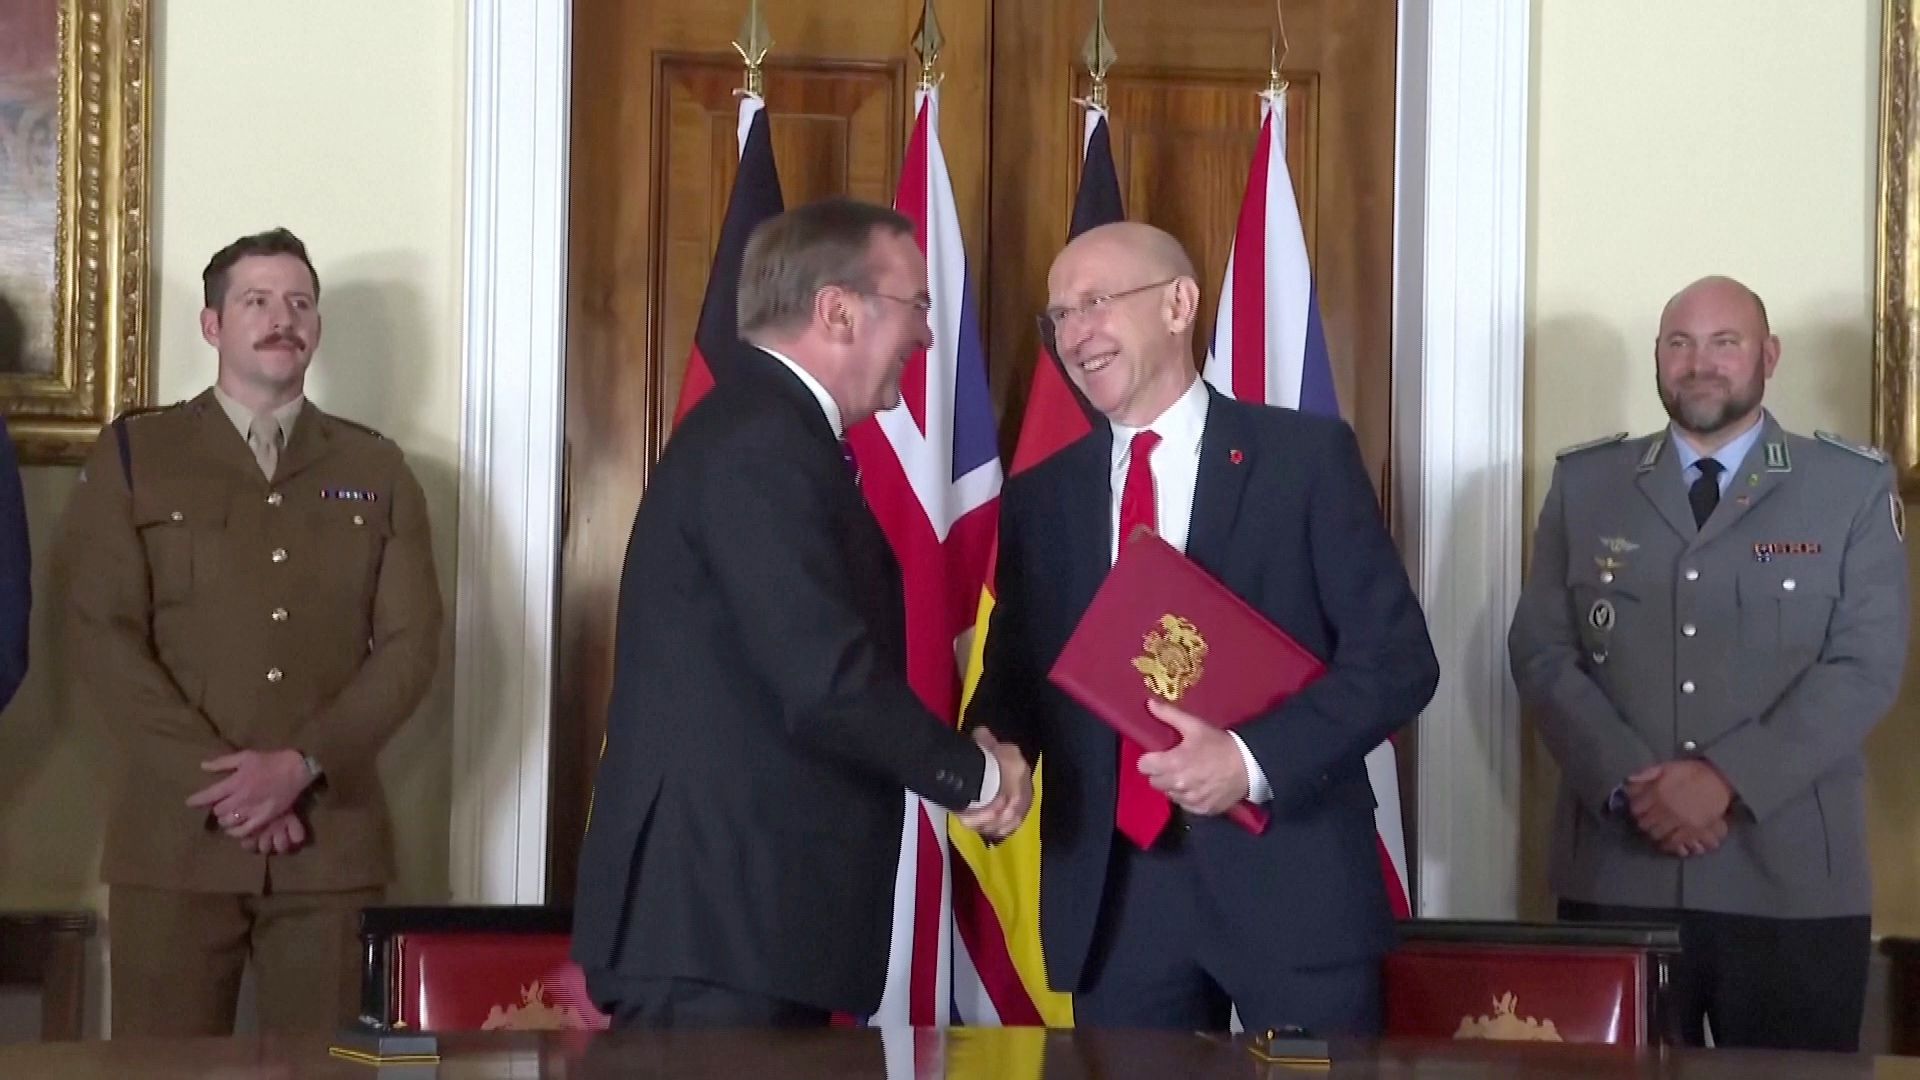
1204, 774
253, 802
1681, 806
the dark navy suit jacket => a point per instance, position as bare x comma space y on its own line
1284, 515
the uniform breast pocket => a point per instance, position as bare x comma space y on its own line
352, 539
1785, 606
182, 539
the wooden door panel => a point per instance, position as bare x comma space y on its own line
653, 156
835, 131
1184, 112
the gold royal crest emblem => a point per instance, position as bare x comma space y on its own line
1174, 659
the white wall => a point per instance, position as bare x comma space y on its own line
342, 121
1674, 140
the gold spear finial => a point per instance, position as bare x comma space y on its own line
754, 43
1098, 54
927, 43
1277, 50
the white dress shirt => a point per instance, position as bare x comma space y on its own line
990, 780
1176, 472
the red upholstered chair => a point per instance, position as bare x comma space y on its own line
1553, 982
471, 969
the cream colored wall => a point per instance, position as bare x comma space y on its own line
1673, 140
342, 121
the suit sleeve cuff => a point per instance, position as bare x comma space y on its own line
1258, 789
989, 782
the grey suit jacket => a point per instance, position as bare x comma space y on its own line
1768, 642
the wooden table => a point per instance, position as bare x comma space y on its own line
964, 1054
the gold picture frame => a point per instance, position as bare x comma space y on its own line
1896, 325
56, 400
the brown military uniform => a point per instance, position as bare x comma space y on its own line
215, 610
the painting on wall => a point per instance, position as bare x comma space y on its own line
73, 219
1896, 328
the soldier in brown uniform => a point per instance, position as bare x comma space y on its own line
254, 613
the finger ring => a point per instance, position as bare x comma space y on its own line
234, 817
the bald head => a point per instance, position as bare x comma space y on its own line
1122, 301
1720, 292
1152, 250
1712, 360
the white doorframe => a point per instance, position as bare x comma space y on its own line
1460, 315
1459, 381
519, 60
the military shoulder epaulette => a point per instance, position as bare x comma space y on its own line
1871, 453
1591, 444
138, 411
362, 428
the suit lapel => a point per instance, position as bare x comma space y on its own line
1085, 503
1219, 484
1765, 467
1660, 482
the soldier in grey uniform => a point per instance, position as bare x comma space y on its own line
1714, 618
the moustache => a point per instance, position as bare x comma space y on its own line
273, 340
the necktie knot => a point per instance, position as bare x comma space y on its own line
1143, 443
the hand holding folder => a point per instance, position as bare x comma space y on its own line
1161, 626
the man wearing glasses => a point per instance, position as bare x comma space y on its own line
738, 868
1155, 911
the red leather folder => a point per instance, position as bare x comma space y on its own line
1161, 626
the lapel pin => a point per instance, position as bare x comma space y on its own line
1236, 456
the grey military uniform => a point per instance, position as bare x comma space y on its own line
1768, 642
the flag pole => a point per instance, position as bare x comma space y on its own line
927, 43
1277, 53
1099, 56
754, 43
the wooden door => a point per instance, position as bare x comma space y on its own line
653, 157
654, 154
1183, 110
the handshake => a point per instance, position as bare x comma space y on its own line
998, 819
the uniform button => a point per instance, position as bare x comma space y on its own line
273, 499
1687, 687
1693, 575
358, 520
274, 674
279, 555
279, 614
1789, 584
1689, 629
177, 516
1689, 746
1606, 577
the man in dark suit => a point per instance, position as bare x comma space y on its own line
1155, 911
738, 866
16, 572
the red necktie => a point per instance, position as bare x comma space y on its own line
1141, 811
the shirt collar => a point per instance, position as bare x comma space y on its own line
242, 418
827, 404
1729, 456
1179, 426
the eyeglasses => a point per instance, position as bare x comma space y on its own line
920, 304
1054, 319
